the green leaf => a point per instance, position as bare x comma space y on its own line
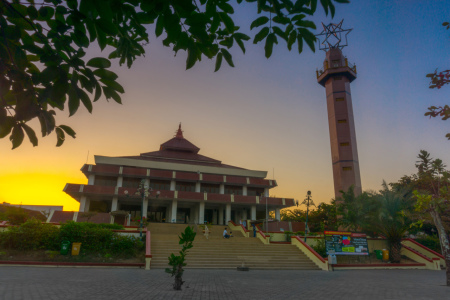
72, 4
258, 22
68, 130
309, 38
6, 126
227, 57
105, 74
229, 24
227, 42
110, 93
241, 45
226, 7
60, 136
17, 136
99, 62
31, 134
191, 57
106, 26
159, 25
101, 37
241, 36
270, 40
113, 84
279, 32
300, 44
74, 101
98, 91
218, 62
32, 12
261, 35
291, 40
85, 99
281, 20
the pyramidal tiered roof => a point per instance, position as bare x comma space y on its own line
180, 150
179, 143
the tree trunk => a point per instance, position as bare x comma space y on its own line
178, 279
395, 255
443, 238
178, 283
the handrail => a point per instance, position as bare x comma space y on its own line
351, 66
309, 248
423, 247
262, 234
148, 250
245, 229
419, 254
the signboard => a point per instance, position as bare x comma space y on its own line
346, 243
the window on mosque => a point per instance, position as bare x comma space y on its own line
347, 168
345, 144
336, 63
340, 99
185, 186
160, 185
254, 191
210, 188
342, 121
232, 189
131, 182
105, 180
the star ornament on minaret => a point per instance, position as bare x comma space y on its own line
333, 36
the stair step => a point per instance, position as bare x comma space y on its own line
219, 253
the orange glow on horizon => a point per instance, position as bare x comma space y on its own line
38, 189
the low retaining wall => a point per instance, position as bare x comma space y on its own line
321, 262
424, 250
430, 263
234, 227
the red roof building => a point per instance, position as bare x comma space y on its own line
176, 184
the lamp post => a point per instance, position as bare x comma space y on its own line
308, 201
143, 191
267, 215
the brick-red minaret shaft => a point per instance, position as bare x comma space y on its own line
336, 77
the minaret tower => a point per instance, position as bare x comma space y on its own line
336, 76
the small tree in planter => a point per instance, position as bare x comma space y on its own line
177, 261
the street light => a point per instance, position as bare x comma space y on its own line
308, 201
143, 191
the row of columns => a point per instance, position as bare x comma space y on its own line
198, 212
91, 181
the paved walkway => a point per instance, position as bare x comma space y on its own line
134, 284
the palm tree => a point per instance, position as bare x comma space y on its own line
392, 220
354, 212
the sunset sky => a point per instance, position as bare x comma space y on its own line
263, 114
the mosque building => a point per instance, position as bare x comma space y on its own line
182, 185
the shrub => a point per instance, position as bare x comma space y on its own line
430, 241
31, 235
320, 247
93, 237
15, 215
125, 245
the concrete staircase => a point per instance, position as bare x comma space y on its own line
219, 253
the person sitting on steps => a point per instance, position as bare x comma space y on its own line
226, 235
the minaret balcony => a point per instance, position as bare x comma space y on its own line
336, 68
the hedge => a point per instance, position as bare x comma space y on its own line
95, 238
